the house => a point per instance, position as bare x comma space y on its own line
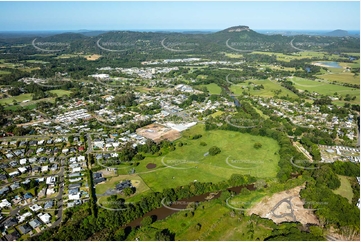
50, 180
72, 159
74, 196
81, 158
97, 175
73, 203
75, 185
23, 161
75, 179
34, 223
45, 218
33, 143
14, 173
39, 150
9, 222
28, 195
15, 186
98, 180
54, 167
33, 159
4, 190
35, 207
74, 174
42, 159
76, 169
22, 170
13, 163
49, 204
24, 229
5, 204
22, 217
44, 168
3, 177
14, 236
123, 184
35, 169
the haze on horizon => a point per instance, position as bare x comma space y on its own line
42, 16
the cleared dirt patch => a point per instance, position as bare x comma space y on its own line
158, 132
151, 165
285, 206
92, 57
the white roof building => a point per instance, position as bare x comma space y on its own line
35, 207
45, 218
5, 203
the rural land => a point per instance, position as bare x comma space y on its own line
230, 135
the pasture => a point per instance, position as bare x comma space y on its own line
60, 92
268, 91
190, 162
326, 88
345, 189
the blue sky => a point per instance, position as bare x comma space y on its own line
179, 15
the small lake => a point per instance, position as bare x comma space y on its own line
331, 64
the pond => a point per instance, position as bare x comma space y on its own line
331, 64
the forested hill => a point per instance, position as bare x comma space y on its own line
234, 39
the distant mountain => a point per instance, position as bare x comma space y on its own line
239, 28
337, 33
148, 44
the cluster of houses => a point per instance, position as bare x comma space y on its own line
73, 116
311, 117
342, 153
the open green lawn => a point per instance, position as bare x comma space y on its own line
20, 98
345, 189
213, 88
269, 87
346, 77
325, 88
60, 92
188, 163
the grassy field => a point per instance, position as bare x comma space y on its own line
189, 163
341, 75
326, 89
346, 77
4, 72
20, 98
213, 88
66, 56
269, 86
345, 189
145, 89
60, 92
297, 56
233, 55
111, 182
16, 107
216, 225
216, 114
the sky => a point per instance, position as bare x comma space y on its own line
285, 15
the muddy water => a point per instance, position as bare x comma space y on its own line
163, 212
